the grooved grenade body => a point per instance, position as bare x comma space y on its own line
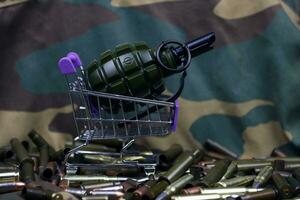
130, 70
137, 70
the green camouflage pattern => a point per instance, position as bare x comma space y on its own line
244, 94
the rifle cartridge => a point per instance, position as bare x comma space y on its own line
236, 181
267, 194
285, 190
216, 173
175, 187
263, 177
26, 163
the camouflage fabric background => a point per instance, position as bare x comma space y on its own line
244, 94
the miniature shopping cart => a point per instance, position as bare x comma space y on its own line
100, 116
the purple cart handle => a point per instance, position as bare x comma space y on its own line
74, 57
175, 119
66, 66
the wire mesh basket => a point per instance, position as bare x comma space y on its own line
99, 115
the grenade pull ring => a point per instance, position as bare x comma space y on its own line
183, 53
185, 57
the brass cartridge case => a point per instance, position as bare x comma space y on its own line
144, 190
39, 141
82, 178
175, 187
285, 190
200, 190
181, 164
295, 185
11, 187
267, 194
232, 168
98, 185
236, 181
263, 177
26, 163
216, 173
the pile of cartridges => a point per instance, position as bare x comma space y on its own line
38, 172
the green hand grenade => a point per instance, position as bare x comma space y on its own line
136, 70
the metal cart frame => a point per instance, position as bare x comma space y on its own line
99, 115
